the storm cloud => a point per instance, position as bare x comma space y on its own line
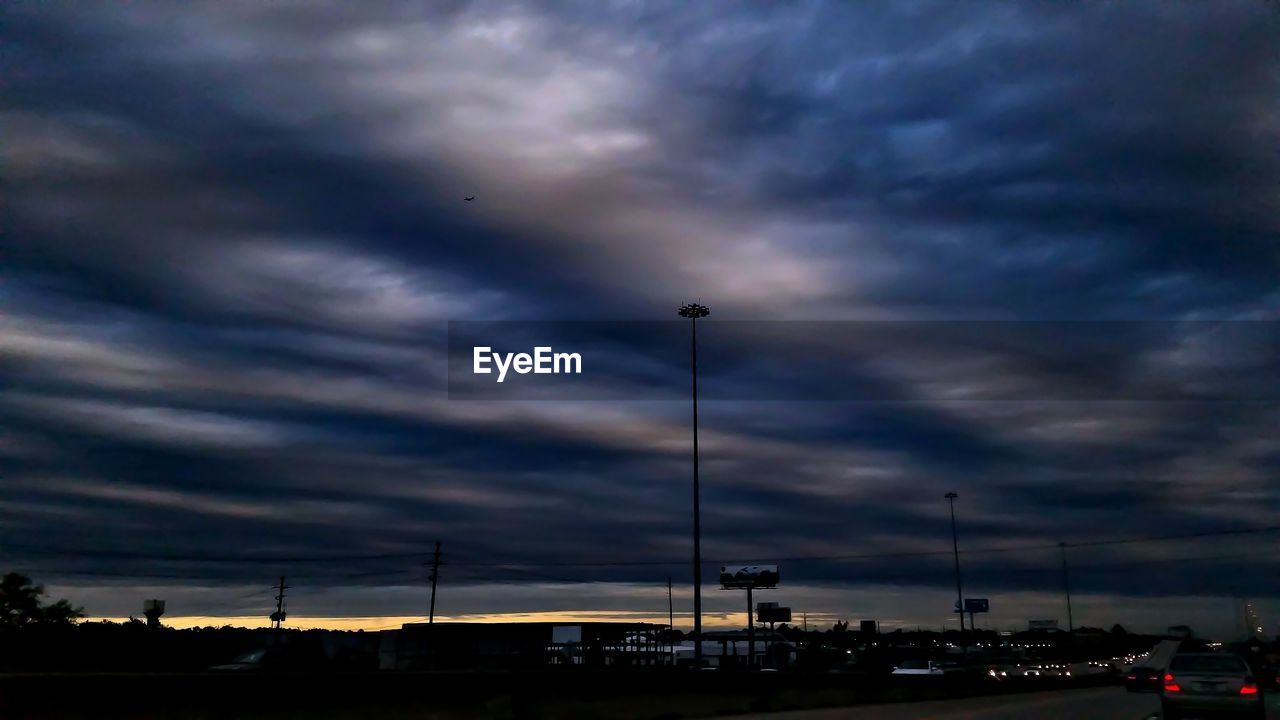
235, 235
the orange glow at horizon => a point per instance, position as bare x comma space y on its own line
392, 622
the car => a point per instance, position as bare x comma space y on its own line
919, 667
1143, 679
274, 659
1209, 683
252, 660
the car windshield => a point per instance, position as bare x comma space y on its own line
253, 656
1208, 663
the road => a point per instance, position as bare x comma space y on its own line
1109, 703
1160, 655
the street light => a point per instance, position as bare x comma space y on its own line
693, 311
955, 548
1066, 587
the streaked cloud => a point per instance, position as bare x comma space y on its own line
234, 233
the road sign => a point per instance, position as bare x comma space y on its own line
977, 605
772, 613
739, 577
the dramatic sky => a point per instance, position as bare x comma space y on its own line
234, 237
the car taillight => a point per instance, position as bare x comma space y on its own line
1249, 688
1171, 685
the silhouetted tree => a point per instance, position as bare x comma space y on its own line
21, 606
1118, 629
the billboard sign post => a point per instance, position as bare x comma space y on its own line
972, 606
771, 613
749, 577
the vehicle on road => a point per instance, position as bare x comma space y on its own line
252, 660
1044, 670
1209, 683
273, 659
1143, 679
919, 667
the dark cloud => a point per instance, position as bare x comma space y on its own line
234, 237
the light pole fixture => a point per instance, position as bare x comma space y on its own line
1066, 587
693, 311
955, 549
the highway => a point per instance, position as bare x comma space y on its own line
1160, 655
1111, 703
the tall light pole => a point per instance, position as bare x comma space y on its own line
955, 549
1066, 587
693, 311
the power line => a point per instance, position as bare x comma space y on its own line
504, 576
198, 575
883, 555
130, 555
512, 564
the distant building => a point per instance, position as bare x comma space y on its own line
731, 648
465, 646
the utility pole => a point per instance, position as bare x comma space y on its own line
671, 610
693, 311
955, 548
278, 616
751, 632
1066, 587
435, 577
671, 617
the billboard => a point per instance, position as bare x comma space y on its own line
740, 577
566, 634
772, 613
977, 605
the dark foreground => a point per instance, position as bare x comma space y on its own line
529, 695
1087, 704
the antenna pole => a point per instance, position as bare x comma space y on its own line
435, 577
277, 617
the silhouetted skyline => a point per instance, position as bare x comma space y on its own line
234, 241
